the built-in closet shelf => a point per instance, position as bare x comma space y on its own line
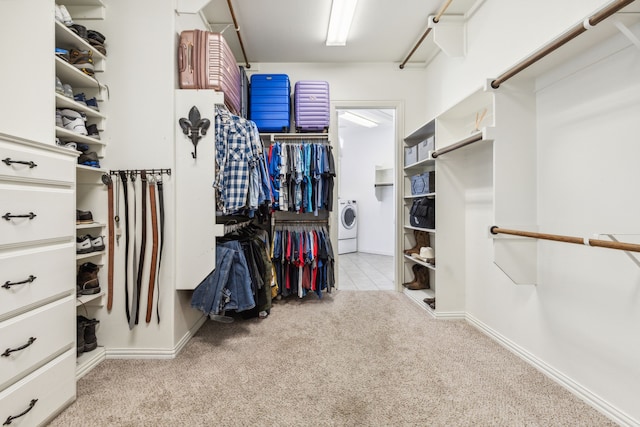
86, 299
90, 226
64, 102
383, 176
428, 230
71, 75
417, 261
91, 169
420, 164
66, 39
82, 257
418, 297
72, 136
89, 360
415, 196
81, 3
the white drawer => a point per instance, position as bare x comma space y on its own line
54, 210
53, 326
54, 270
45, 165
54, 387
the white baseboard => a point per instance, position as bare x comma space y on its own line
450, 315
577, 389
156, 353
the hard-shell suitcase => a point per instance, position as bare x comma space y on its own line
244, 93
270, 102
205, 61
311, 106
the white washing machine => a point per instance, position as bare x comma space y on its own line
348, 228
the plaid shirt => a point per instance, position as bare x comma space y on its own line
237, 148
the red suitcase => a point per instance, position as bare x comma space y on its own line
205, 61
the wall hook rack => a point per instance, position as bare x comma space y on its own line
195, 128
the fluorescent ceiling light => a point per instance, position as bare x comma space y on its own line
359, 120
340, 21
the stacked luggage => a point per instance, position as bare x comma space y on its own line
270, 102
205, 61
311, 106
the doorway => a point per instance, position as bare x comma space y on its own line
366, 197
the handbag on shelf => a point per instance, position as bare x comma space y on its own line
423, 213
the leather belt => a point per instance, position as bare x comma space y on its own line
154, 248
134, 256
123, 178
143, 244
106, 179
161, 206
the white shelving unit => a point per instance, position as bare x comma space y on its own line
90, 194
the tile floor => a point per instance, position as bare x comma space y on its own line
361, 271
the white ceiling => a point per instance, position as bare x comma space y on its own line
295, 30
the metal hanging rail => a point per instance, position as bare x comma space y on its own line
237, 28
463, 143
426, 33
574, 32
629, 247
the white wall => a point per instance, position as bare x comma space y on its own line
361, 150
579, 323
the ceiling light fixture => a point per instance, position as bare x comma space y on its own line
359, 120
340, 21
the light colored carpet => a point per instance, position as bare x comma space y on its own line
350, 359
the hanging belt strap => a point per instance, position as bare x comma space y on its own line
106, 179
143, 243
154, 247
123, 178
161, 203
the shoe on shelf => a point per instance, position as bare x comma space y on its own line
67, 90
82, 60
59, 16
90, 342
80, 98
80, 146
96, 36
80, 325
92, 103
66, 17
79, 30
84, 217
74, 121
98, 46
83, 245
59, 87
89, 159
97, 243
87, 282
62, 53
92, 131
59, 118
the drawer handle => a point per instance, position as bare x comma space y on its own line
8, 284
8, 216
9, 162
13, 417
8, 351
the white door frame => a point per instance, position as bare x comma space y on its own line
398, 106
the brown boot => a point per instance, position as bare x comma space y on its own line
422, 240
421, 278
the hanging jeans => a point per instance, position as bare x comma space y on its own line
228, 287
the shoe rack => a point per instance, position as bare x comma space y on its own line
90, 191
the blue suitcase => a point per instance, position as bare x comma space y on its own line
270, 102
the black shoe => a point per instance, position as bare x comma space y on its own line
87, 282
80, 333
83, 217
90, 341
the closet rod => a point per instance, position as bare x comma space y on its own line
630, 247
284, 222
302, 136
463, 143
426, 33
235, 25
574, 32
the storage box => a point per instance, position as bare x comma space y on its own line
425, 148
410, 155
423, 183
